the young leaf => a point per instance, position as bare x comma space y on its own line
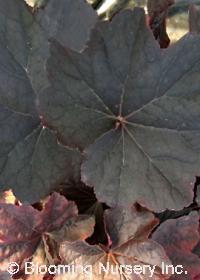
179, 237
134, 110
130, 246
25, 230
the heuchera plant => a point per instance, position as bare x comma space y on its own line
99, 140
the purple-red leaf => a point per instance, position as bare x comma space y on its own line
87, 203
128, 230
179, 237
22, 228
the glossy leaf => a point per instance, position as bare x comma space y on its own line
133, 109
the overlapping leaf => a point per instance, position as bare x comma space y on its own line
26, 34
134, 109
179, 237
87, 203
128, 230
32, 161
28, 233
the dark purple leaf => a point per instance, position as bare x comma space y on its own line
32, 161
27, 33
133, 109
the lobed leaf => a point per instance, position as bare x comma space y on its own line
26, 34
31, 235
129, 246
179, 237
77, 228
88, 204
133, 109
32, 161
23, 228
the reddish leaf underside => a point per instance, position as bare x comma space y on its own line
179, 237
22, 228
128, 230
87, 203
